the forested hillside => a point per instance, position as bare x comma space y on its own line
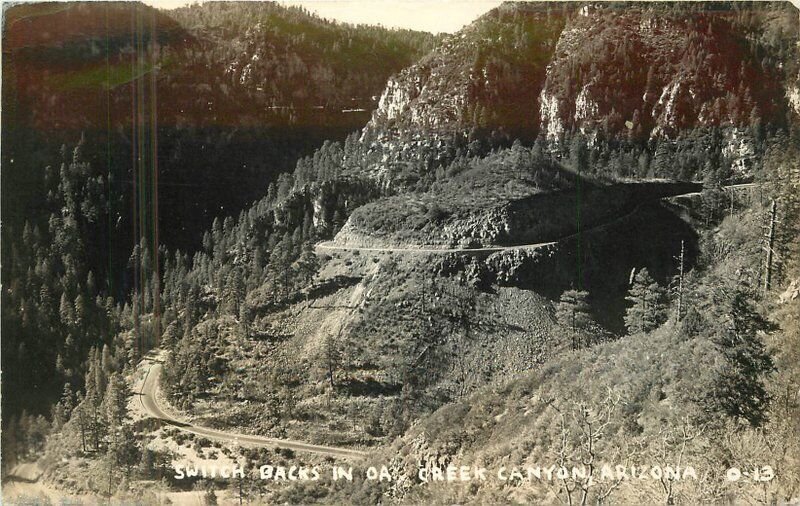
170, 134
220, 107
289, 60
707, 384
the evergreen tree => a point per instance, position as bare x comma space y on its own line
572, 312
245, 319
234, 293
306, 266
125, 450
106, 362
579, 154
738, 390
66, 311
115, 406
81, 415
81, 312
648, 308
90, 406
146, 466
663, 161
279, 268
62, 411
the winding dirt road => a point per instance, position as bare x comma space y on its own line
331, 245
148, 398
150, 386
24, 485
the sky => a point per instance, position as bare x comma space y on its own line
428, 15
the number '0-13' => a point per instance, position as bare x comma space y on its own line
763, 473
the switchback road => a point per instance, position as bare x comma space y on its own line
332, 246
150, 385
329, 245
150, 403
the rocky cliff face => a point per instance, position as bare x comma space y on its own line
793, 95
654, 72
479, 84
625, 73
327, 204
649, 79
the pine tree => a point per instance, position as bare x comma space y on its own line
62, 411
284, 187
579, 154
91, 284
279, 267
738, 389
46, 307
101, 378
245, 319
80, 413
306, 266
572, 312
115, 406
126, 450
234, 293
216, 231
106, 362
81, 313
648, 309
92, 404
146, 463
66, 311
663, 161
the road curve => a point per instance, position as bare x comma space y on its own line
149, 401
150, 385
330, 245
729, 187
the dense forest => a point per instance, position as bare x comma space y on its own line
169, 87
123, 121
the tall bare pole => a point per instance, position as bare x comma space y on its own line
731, 211
240, 490
680, 282
770, 243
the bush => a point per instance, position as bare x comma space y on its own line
436, 214
211, 497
